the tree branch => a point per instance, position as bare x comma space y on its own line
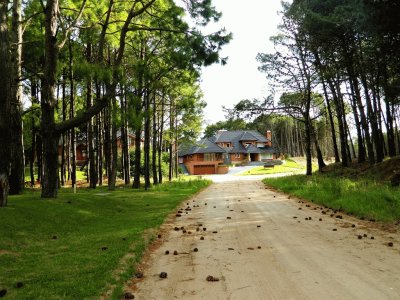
83, 117
68, 30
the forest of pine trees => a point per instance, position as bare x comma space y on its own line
99, 72
335, 72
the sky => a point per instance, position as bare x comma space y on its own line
251, 22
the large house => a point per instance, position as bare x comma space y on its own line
210, 155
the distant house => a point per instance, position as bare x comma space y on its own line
81, 148
227, 147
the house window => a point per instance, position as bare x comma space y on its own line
228, 145
209, 156
237, 155
247, 144
191, 157
266, 156
83, 153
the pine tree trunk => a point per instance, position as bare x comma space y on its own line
175, 149
17, 172
99, 139
5, 105
171, 139
339, 116
112, 175
390, 128
32, 154
126, 156
90, 144
146, 149
136, 172
138, 130
320, 158
154, 140
100, 147
39, 154
107, 141
64, 135
48, 103
332, 124
126, 140
72, 114
308, 130
351, 143
160, 141
360, 140
347, 132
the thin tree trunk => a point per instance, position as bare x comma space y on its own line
72, 114
92, 154
64, 135
389, 107
39, 154
100, 147
320, 158
107, 141
308, 145
176, 165
146, 149
138, 130
154, 140
32, 154
360, 140
99, 138
92, 166
328, 105
171, 139
127, 158
351, 143
370, 111
112, 175
5, 105
33, 134
160, 141
17, 172
339, 115
125, 140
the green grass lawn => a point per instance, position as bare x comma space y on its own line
363, 198
56, 247
289, 166
80, 175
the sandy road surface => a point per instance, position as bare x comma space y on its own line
263, 252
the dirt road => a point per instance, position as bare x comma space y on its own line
259, 245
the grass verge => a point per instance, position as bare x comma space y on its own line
72, 247
362, 198
289, 166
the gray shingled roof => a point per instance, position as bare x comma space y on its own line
247, 136
208, 145
239, 135
252, 149
202, 146
269, 150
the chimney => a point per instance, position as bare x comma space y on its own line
268, 135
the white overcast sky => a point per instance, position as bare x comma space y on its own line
252, 22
